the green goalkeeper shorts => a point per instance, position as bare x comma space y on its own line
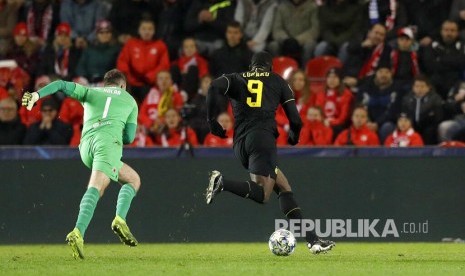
102, 152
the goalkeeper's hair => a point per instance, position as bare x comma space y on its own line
114, 77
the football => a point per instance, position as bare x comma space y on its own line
282, 243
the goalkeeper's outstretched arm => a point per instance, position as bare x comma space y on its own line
71, 89
59, 85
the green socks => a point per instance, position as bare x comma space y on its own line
89, 202
86, 209
125, 196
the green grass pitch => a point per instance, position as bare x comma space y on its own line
235, 259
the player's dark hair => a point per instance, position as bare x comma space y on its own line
262, 60
114, 77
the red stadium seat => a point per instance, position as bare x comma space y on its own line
283, 66
317, 68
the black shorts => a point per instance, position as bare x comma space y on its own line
258, 153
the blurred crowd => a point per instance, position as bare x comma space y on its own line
364, 72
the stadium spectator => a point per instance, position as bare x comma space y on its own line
454, 128
232, 57
107, 4
173, 133
30, 117
340, 21
256, 18
11, 129
426, 17
142, 58
158, 101
383, 99
365, 56
125, 16
24, 51
14, 79
315, 132
444, 59
404, 135
82, 15
170, 25
142, 138
50, 130
4, 83
8, 18
358, 134
390, 13
206, 21
41, 17
457, 14
404, 58
425, 107
189, 68
300, 84
295, 29
72, 112
335, 101
100, 56
226, 121
282, 137
60, 58
197, 117
455, 98
3, 93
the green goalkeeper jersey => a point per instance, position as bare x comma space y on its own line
108, 109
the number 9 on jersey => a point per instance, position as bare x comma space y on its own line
255, 87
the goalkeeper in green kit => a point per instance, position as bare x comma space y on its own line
110, 120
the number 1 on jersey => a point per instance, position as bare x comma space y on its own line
107, 106
255, 87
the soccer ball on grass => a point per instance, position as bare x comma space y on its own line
282, 242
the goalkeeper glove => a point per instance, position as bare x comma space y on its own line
29, 99
216, 129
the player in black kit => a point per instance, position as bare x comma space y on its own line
255, 96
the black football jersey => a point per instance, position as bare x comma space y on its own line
255, 96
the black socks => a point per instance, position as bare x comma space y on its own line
247, 189
292, 211
289, 206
